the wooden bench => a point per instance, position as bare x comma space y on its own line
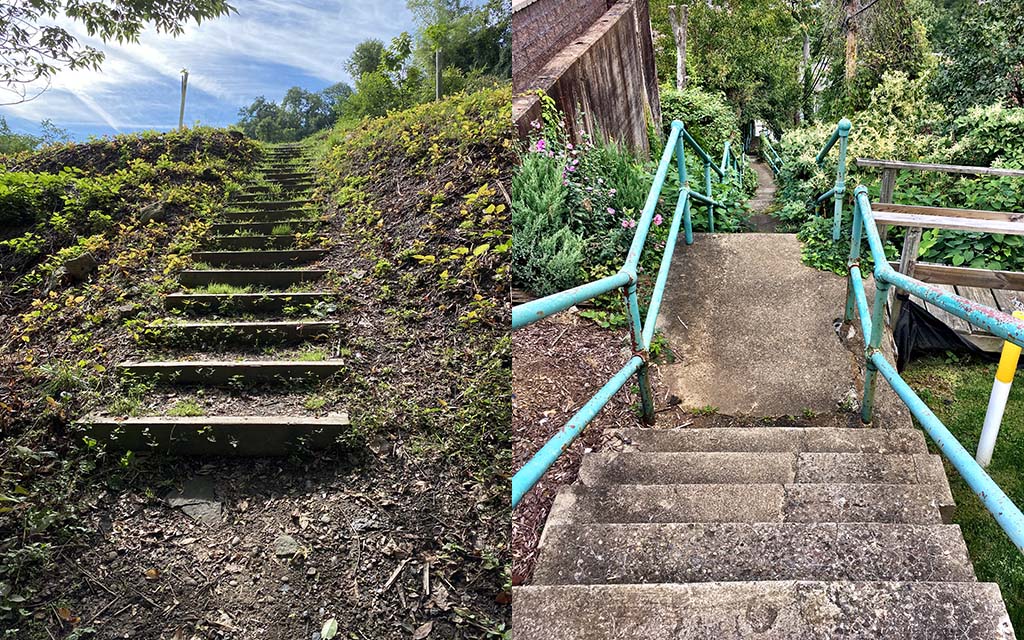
997, 289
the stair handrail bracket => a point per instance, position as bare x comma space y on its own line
626, 280
840, 135
873, 320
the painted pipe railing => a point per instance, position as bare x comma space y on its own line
842, 136
872, 321
641, 334
770, 155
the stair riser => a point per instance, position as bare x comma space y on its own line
201, 304
762, 610
236, 243
203, 335
779, 439
276, 205
907, 504
231, 375
255, 438
258, 258
275, 217
264, 228
267, 279
724, 552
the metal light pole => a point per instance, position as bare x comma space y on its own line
437, 75
184, 88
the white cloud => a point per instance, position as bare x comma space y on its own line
264, 48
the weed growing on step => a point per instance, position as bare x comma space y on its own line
186, 408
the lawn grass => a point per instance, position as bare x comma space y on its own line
958, 394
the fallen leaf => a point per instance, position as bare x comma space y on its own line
152, 574
65, 614
423, 631
329, 630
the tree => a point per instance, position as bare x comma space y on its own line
679, 16
300, 114
365, 58
31, 52
472, 37
11, 142
982, 56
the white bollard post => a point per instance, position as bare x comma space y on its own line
997, 400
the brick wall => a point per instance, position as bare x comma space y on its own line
603, 80
542, 28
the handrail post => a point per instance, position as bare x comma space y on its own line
874, 344
854, 261
837, 216
707, 188
683, 184
640, 349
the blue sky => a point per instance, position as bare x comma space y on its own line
267, 47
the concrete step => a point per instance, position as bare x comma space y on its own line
266, 258
252, 242
277, 175
274, 216
221, 372
729, 551
903, 503
811, 439
239, 331
239, 303
218, 435
766, 610
263, 228
601, 469
269, 278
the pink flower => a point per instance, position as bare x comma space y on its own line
657, 219
568, 145
541, 144
535, 124
628, 224
612, 192
611, 211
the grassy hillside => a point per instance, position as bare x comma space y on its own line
423, 224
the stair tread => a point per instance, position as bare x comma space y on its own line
720, 552
809, 610
907, 503
811, 439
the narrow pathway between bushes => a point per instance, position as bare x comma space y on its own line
763, 198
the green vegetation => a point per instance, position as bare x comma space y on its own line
91, 235
281, 230
220, 288
475, 38
186, 409
902, 122
575, 207
435, 356
958, 393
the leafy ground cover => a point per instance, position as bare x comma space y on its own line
404, 532
902, 123
957, 391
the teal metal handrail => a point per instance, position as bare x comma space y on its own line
774, 160
841, 134
641, 335
872, 322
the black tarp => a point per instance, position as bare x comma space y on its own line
918, 332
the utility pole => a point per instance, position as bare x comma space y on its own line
184, 88
679, 16
852, 9
437, 75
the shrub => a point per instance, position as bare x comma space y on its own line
708, 116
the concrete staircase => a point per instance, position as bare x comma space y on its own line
757, 532
264, 289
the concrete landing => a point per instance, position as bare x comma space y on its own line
754, 332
